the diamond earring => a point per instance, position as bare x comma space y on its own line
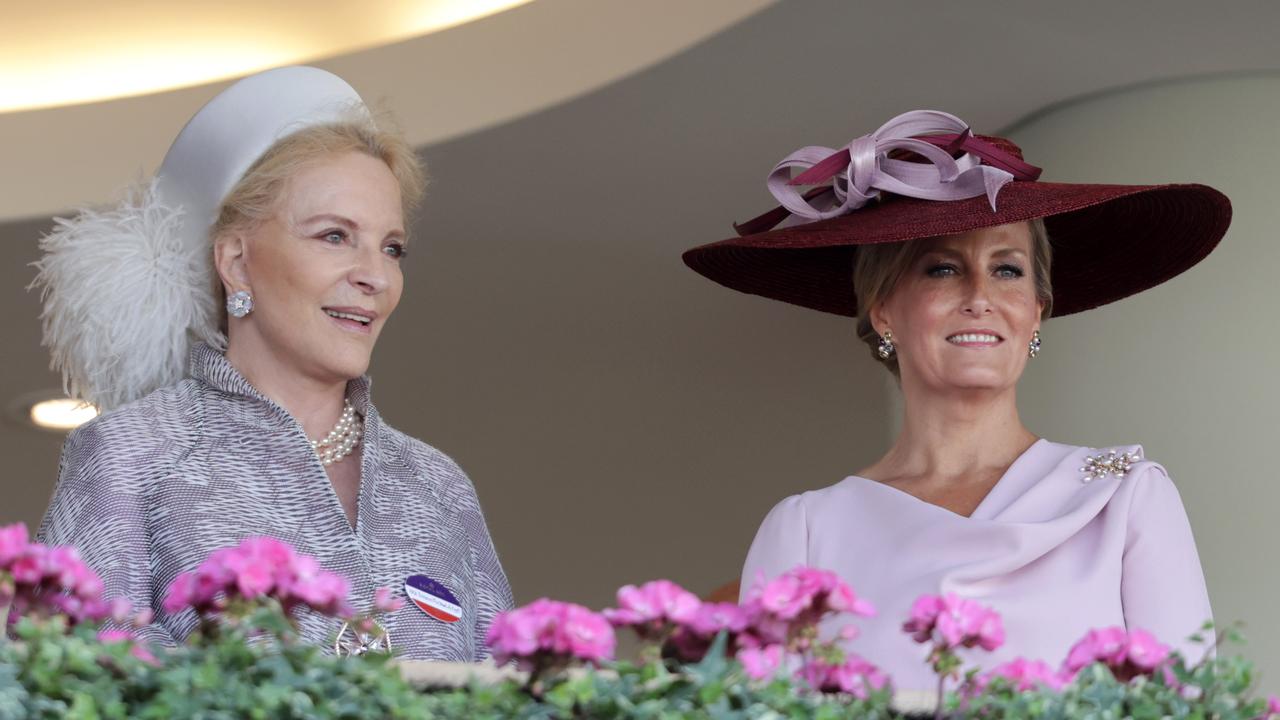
886, 349
1033, 347
239, 303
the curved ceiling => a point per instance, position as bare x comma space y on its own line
464, 78
63, 52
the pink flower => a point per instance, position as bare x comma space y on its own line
258, 567
655, 605
206, 587
549, 632
1024, 675
138, 650
1145, 651
48, 580
590, 637
28, 567
952, 621
326, 593
1272, 709
179, 596
384, 602
761, 663
712, 618
924, 615
258, 564
785, 597
518, 633
13, 540
798, 599
809, 591
255, 580
854, 676
1126, 654
691, 641
113, 636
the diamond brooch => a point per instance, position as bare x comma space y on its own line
1108, 463
353, 641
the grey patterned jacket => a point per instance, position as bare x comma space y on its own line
151, 489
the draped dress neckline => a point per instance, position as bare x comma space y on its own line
990, 504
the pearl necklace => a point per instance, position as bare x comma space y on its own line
342, 439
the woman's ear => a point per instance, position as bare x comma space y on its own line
879, 318
230, 257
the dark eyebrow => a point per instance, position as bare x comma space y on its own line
347, 223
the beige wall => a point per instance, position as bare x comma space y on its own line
1187, 369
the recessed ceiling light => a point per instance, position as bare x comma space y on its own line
61, 413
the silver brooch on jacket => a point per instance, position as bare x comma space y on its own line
352, 641
1108, 463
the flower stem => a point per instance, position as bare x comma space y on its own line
942, 692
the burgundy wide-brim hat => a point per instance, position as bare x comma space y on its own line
925, 175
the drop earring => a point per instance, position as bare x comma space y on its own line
239, 303
1033, 347
886, 348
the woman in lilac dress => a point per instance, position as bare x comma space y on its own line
950, 253
285, 203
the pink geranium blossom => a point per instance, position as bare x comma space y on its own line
761, 663
951, 621
806, 593
256, 568
691, 640
42, 580
136, 649
13, 540
786, 609
1127, 654
852, 675
1024, 675
653, 608
548, 633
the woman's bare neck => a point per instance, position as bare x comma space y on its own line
945, 438
315, 404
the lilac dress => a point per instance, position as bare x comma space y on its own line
1054, 555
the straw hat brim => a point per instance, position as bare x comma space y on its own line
1109, 241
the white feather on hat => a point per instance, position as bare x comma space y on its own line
123, 300
126, 291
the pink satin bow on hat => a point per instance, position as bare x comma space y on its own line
857, 173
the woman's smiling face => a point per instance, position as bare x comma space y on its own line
965, 310
324, 269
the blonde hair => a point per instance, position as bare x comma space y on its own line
878, 269
255, 197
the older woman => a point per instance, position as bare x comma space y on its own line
941, 244
284, 199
